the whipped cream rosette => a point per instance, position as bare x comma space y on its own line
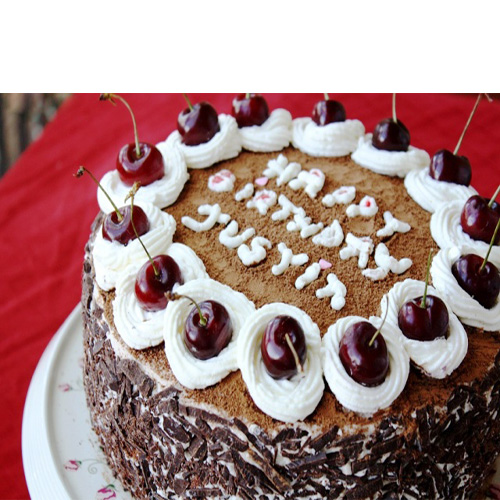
190, 371
333, 139
161, 193
138, 328
447, 231
437, 358
225, 144
352, 395
112, 258
273, 135
287, 400
393, 163
466, 307
430, 193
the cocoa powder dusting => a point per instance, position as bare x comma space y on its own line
363, 295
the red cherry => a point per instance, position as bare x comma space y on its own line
205, 336
249, 110
150, 288
424, 323
478, 219
391, 135
198, 124
328, 111
366, 364
122, 231
448, 167
145, 169
481, 284
279, 359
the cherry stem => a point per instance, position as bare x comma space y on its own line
110, 97
327, 97
424, 298
300, 368
394, 117
376, 334
131, 195
457, 147
247, 96
188, 102
490, 204
176, 296
492, 242
80, 172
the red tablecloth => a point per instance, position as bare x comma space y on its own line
46, 213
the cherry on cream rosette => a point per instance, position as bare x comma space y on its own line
225, 144
189, 369
354, 396
465, 306
330, 140
437, 358
430, 193
138, 327
273, 135
285, 399
392, 163
161, 193
446, 230
112, 258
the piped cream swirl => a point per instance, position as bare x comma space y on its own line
285, 400
273, 135
195, 373
224, 145
111, 258
351, 394
447, 231
393, 163
138, 328
466, 307
332, 140
430, 193
162, 193
437, 358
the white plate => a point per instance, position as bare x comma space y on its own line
61, 455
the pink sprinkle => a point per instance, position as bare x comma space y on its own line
368, 203
261, 181
324, 264
217, 178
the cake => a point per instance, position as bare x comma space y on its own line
171, 428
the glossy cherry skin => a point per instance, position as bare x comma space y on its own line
478, 220
198, 125
484, 286
424, 323
146, 168
249, 111
150, 289
391, 136
122, 230
207, 341
328, 111
277, 356
447, 167
366, 364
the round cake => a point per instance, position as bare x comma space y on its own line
279, 220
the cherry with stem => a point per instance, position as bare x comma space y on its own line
117, 225
424, 318
138, 161
391, 134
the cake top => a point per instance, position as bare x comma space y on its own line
288, 207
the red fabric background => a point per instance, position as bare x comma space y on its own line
46, 213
